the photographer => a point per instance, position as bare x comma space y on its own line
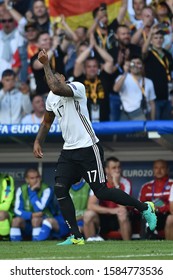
136, 92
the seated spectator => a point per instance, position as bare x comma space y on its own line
14, 102
136, 92
34, 211
107, 215
159, 59
160, 191
79, 193
6, 204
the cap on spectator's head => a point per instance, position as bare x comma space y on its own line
31, 24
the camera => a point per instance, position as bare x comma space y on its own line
132, 64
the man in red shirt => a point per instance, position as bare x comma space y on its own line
107, 215
160, 191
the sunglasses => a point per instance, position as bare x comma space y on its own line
7, 20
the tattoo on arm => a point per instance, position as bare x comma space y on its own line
55, 84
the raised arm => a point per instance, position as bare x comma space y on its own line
15, 14
55, 82
118, 84
122, 11
108, 59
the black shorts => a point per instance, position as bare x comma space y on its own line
80, 163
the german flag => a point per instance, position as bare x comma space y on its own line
79, 12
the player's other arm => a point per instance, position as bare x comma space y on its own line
55, 82
42, 133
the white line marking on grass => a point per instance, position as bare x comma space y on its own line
102, 256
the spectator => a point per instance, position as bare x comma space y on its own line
108, 215
157, 58
96, 79
163, 14
148, 20
160, 191
41, 16
28, 38
6, 204
103, 31
121, 51
136, 18
34, 210
79, 193
136, 92
36, 116
14, 101
31, 34
10, 43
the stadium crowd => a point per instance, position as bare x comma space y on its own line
127, 68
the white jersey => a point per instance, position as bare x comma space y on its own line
73, 117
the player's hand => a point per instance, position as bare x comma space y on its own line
37, 150
43, 57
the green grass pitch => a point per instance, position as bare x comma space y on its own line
105, 250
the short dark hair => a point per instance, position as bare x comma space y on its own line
32, 169
35, 95
8, 72
114, 159
42, 32
135, 56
